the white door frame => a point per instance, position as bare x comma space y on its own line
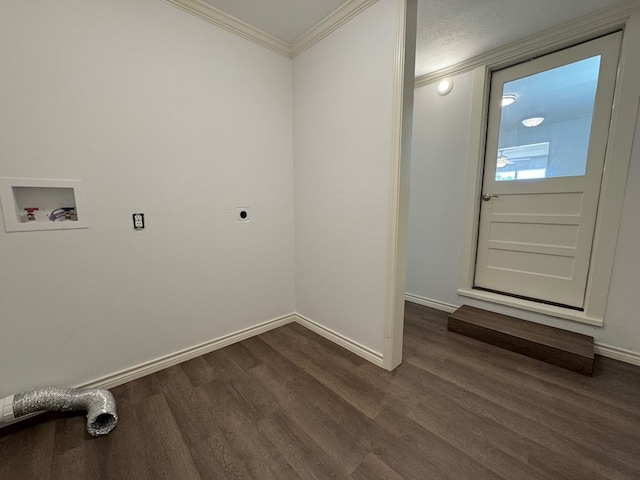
398, 231
621, 133
558, 275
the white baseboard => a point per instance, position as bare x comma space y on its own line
354, 347
124, 376
616, 353
147, 368
138, 371
428, 302
608, 351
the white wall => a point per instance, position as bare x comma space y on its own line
438, 175
343, 106
161, 113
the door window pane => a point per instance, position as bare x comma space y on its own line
553, 109
522, 162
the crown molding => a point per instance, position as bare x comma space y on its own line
597, 23
331, 22
217, 17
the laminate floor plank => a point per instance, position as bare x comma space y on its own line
408, 457
165, 453
367, 393
352, 382
453, 462
319, 423
211, 452
199, 371
198, 418
27, 447
242, 356
608, 374
372, 468
122, 453
588, 410
496, 448
289, 383
257, 401
77, 460
588, 431
507, 453
337, 426
530, 434
249, 450
289, 405
307, 337
298, 448
336, 441
548, 378
544, 414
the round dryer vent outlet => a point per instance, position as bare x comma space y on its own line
243, 214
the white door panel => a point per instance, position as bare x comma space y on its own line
535, 234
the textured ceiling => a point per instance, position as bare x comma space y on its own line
449, 31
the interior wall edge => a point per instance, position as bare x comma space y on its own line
354, 347
333, 21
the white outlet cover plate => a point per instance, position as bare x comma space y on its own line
138, 221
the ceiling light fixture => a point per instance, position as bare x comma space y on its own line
508, 99
445, 86
533, 121
503, 160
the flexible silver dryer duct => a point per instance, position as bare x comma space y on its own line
98, 403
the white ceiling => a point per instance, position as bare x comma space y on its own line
449, 31
287, 20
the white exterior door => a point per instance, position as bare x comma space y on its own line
547, 134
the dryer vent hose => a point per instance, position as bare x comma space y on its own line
98, 403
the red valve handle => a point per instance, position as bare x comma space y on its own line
31, 209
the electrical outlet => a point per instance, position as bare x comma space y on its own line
243, 214
138, 221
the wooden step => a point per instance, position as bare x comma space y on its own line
562, 348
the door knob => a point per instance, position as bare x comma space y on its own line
488, 196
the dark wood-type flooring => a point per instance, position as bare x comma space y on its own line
289, 404
562, 348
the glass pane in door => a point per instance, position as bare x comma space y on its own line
545, 122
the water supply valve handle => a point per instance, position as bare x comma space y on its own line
30, 215
62, 212
67, 212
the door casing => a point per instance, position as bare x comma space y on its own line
621, 136
535, 236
